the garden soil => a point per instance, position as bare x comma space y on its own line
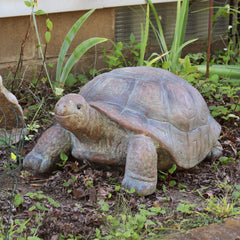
79, 187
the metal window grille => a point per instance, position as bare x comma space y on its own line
129, 19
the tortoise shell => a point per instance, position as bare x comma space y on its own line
159, 104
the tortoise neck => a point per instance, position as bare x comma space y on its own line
98, 125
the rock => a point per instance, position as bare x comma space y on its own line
229, 230
11, 116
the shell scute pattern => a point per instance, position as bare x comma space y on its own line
162, 97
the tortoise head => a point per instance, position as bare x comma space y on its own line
72, 112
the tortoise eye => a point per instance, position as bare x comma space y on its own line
79, 106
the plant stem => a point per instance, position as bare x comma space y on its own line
209, 36
40, 46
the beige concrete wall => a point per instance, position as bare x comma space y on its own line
13, 31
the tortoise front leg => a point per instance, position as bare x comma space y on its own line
47, 150
141, 165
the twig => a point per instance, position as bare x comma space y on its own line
20, 60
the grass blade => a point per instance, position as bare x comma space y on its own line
69, 37
144, 38
179, 34
77, 54
158, 32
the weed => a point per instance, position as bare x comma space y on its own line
40, 196
118, 57
221, 207
226, 205
166, 176
69, 183
223, 161
222, 90
126, 225
31, 128
186, 207
63, 158
236, 192
18, 227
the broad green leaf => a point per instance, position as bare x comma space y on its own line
18, 200
41, 207
70, 35
47, 37
104, 206
132, 38
40, 12
70, 80
49, 24
172, 183
63, 156
27, 3
77, 54
166, 65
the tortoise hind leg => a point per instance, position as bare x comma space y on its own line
141, 165
47, 150
216, 151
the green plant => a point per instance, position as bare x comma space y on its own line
144, 38
32, 127
63, 158
230, 55
69, 183
222, 207
236, 192
171, 57
18, 227
123, 55
217, 87
167, 175
47, 34
62, 72
126, 225
69, 237
15, 231
186, 207
40, 196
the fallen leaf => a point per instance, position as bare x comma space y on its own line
79, 193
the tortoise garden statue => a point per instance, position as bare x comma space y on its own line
146, 118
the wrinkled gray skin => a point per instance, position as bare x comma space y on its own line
90, 134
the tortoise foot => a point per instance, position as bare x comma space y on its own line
45, 154
142, 187
216, 151
35, 163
